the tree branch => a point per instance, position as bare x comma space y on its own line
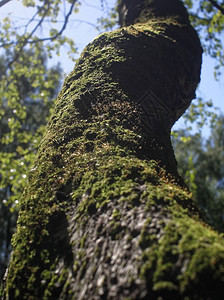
3, 2
59, 32
34, 16
215, 4
27, 40
66, 19
196, 16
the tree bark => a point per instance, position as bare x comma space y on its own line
105, 214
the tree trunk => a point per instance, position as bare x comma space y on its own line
105, 214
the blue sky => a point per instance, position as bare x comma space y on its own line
83, 33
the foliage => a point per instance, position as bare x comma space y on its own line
109, 21
207, 16
200, 113
24, 113
201, 165
26, 99
27, 86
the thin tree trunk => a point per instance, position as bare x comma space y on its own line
105, 214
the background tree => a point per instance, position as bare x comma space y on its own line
201, 166
208, 17
22, 123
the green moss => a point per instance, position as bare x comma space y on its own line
186, 254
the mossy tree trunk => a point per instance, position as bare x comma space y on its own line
105, 215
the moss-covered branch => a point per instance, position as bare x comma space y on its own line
105, 215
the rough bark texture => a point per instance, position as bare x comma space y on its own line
104, 215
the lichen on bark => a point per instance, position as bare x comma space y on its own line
105, 214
